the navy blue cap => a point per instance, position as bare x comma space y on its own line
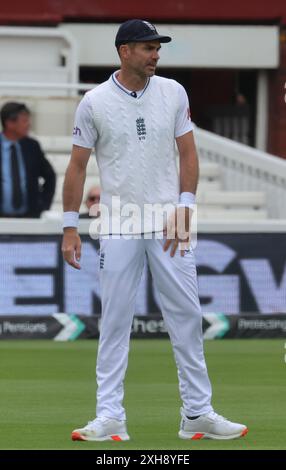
138, 31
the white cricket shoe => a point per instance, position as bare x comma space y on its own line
210, 426
102, 429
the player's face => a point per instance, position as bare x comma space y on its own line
143, 58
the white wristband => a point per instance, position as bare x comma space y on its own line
187, 199
70, 219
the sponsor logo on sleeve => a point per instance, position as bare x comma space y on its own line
76, 131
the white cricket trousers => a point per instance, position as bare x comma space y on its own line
175, 279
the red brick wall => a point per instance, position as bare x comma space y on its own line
55, 11
277, 104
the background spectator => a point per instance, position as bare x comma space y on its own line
92, 201
22, 164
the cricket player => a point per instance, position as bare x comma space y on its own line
133, 120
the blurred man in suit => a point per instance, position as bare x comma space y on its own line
22, 164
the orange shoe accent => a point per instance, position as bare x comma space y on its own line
116, 438
244, 432
197, 436
76, 436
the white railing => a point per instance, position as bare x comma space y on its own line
51, 224
46, 85
245, 168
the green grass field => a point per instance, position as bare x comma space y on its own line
48, 388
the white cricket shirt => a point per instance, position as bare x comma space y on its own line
134, 140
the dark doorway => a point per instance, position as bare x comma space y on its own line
221, 100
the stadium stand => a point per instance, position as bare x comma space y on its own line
214, 201
237, 182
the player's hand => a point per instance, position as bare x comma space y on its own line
177, 231
71, 247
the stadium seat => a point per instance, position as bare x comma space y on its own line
213, 201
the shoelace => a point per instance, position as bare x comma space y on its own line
92, 423
215, 417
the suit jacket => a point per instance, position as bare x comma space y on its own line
36, 165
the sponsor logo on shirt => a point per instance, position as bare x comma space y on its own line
76, 131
